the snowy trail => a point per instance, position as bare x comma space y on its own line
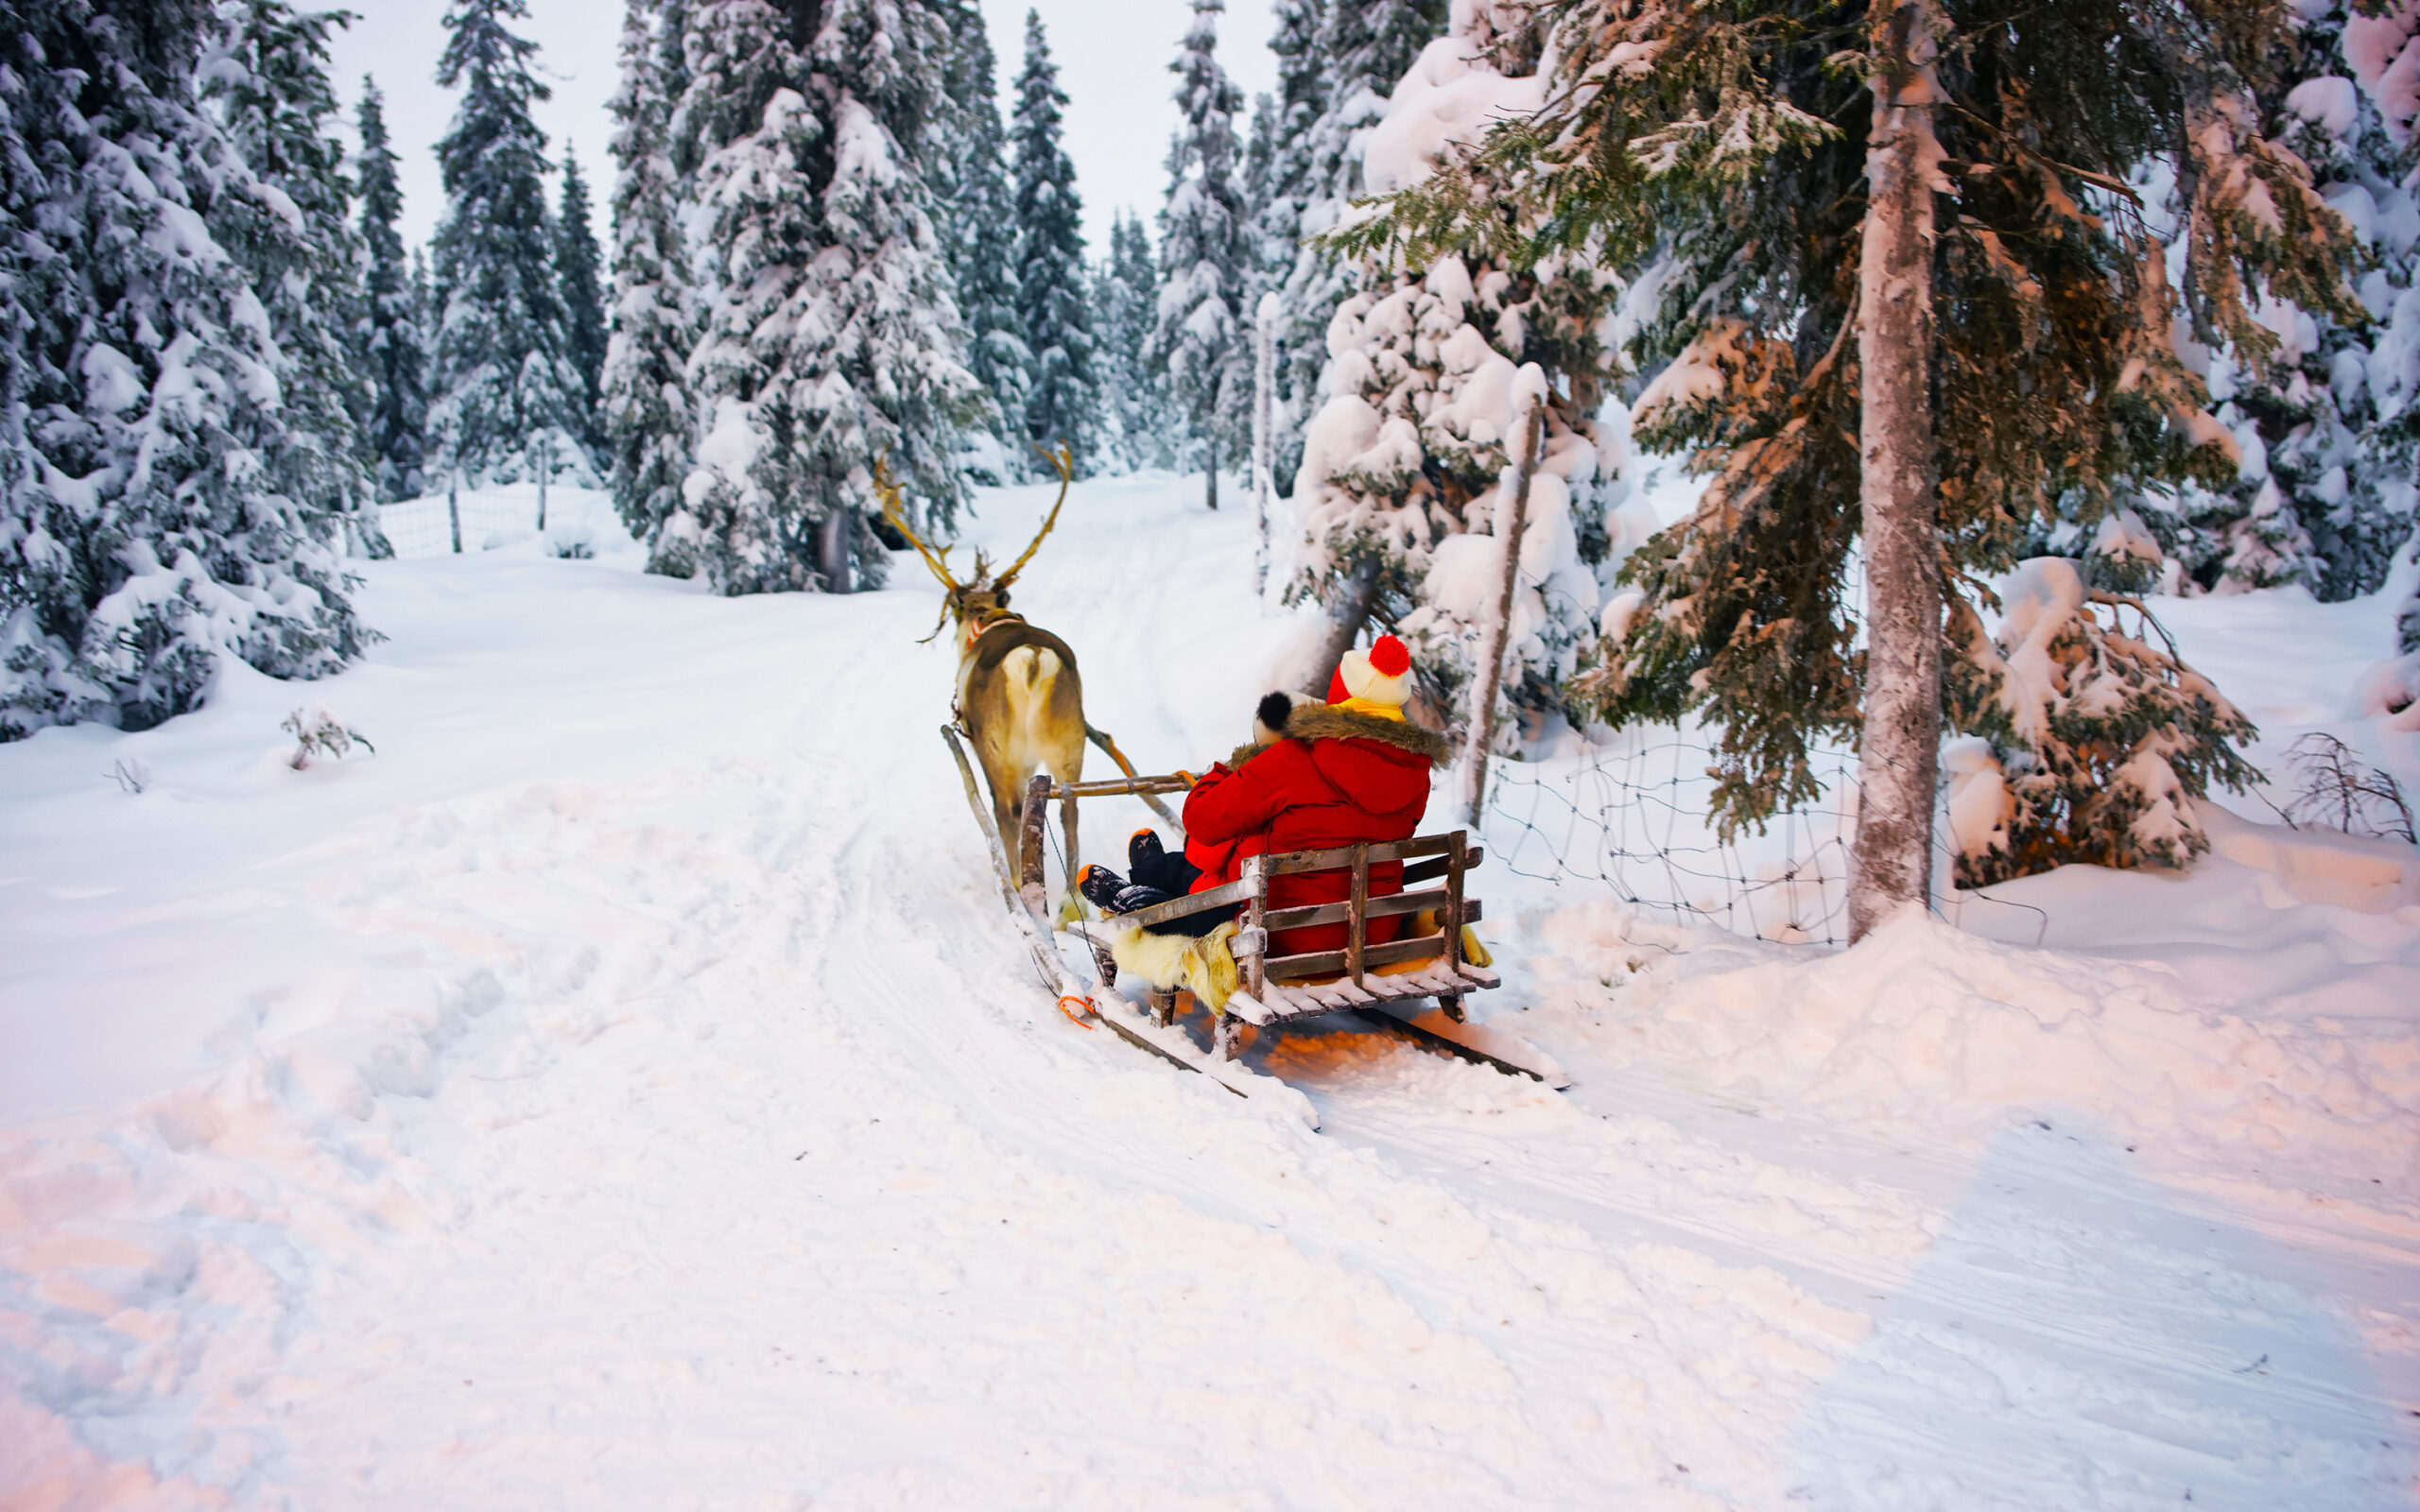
650, 1109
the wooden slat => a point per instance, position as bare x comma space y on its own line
1256, 880
1192, 902
1327, 963
1245, 1006
1356, 922
1456, 864
1037, 821
1294, 862
1307, 914
1428, 871
1108, 748
1115, 786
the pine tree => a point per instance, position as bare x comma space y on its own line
1737, 173
1260, 141
268, 84
1361, 50
2383, 44
649, 420
1400, 492
147, 527
2325, 495
1138, 428
1060, 411
395, 435
507, 399
1281, 195
975, 202
576, 262
2077, 693
1198, 333
831, 340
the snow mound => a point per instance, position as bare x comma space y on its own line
1928, 1033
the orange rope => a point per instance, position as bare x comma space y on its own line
1064, 1000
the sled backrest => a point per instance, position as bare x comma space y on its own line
1442, 858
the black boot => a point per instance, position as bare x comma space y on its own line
1134, 898
1144, 853
1099, 886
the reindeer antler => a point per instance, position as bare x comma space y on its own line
1065, 460
889, 492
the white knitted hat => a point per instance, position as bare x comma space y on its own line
1381, 675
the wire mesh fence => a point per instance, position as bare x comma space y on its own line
1627, 811
1630, 812
502, 515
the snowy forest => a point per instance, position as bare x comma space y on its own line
1904, 514
830, 248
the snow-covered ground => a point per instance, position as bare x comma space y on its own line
621, 1090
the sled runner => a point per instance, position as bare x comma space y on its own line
1030, 907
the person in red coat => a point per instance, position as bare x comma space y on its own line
1319, 776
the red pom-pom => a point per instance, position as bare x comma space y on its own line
1388, 658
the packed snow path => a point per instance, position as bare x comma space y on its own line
624, 1091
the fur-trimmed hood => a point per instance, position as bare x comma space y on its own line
1331, 775
1327, 721
1281, 715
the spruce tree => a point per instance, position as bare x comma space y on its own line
887, 356
1361, 51
1399, 485
267, 84
975, 203
1198, 335
507, 397
577, 262
648, 417
2038, 373
1280, 196
148, 524
1060, 410
2325, 493
1139, 429
831, 340
395, 435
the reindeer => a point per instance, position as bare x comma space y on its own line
1019, 698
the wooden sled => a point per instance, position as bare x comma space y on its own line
1425, 968
1429, 970
1399, 978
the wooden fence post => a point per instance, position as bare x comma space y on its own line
1490, 672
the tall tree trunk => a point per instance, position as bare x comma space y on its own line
454, 506
1900, 753
1210, 470
1512, 519
1348, 610
832, 552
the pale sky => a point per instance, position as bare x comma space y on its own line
1112, 59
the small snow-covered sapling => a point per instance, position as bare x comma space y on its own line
2336, 790
319, 731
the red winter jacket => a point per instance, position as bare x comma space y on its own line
1335, 777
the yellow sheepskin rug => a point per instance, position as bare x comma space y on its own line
1206, 967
